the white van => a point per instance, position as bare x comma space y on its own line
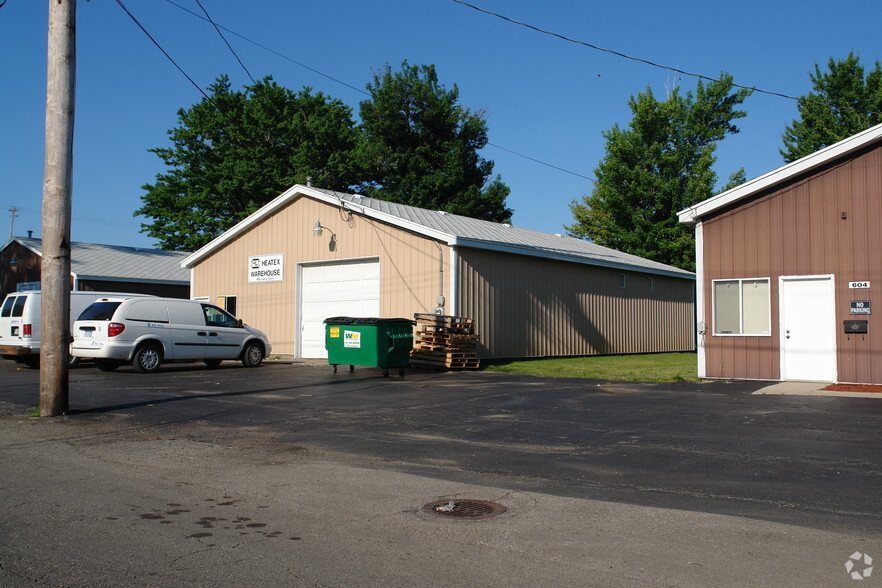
20, 322
148, 331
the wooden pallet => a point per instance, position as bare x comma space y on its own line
442, 341
446, 330
452, 339
448, 359
442, 319
473, 364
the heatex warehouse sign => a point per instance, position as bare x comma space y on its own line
266, 268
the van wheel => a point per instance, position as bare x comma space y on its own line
147, 359
212, 363
73, 362
253, 354
32, 362
106, 365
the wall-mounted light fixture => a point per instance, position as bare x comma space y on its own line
317, 232
13, 262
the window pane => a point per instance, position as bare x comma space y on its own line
726, 308
755, 307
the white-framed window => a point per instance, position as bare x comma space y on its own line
228, 303
623, 281
742, 306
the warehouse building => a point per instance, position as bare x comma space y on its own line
97, 268
789, 270
311, 254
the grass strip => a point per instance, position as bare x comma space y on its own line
649, 367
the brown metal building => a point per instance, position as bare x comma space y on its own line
97, 268
789, 270
311, 254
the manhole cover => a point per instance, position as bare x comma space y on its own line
464, 509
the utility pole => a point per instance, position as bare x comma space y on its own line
12, 216
55, 273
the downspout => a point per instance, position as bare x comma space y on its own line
702, 326
440, 301
454, 281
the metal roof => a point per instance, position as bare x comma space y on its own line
115, 262
784, 173
455, 230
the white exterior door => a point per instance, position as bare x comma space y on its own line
335, 289
808, 328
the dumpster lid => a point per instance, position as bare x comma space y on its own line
339, 320
354, 320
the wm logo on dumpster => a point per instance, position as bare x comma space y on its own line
352, 339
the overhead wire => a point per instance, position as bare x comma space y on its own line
360, 90
809, 99
230, 47
164, 52
617, 53
269, 50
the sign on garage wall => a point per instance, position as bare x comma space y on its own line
265, 268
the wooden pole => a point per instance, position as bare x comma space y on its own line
55, 272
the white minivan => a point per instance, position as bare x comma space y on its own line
20, 322
149, 331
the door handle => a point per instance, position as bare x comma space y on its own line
212, 334
201, 333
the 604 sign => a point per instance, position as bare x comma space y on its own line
860, 307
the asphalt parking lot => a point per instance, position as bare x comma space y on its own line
810, 465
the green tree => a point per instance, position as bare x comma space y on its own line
659, 165
420, 147
235, 151
845, 100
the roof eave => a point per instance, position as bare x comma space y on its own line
784, 173
560, 256
298, 191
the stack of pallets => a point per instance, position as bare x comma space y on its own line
444, 342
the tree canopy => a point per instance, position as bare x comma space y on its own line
662, 163
420, 147
234, 151
845, 100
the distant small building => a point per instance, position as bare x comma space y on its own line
110, 268
789, 270
311, 254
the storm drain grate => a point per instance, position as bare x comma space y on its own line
464, 509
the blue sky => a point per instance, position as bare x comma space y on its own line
543, 97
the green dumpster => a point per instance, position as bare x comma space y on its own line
372, 342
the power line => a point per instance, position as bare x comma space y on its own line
158, 46
273, 51
225, 41
617, 53
541, 162
351, 87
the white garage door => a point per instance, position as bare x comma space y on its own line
338, 289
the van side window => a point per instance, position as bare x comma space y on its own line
215, 317
18, 307
7, 306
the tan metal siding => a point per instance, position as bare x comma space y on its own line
409, 279
798, 229
532, 307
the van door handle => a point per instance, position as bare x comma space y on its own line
212, 334
201, 333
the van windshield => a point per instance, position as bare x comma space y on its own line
99, 311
